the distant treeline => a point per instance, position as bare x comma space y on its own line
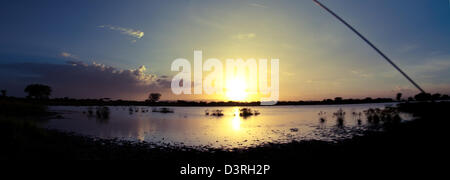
108, 102
40, 94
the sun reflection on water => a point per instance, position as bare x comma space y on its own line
191, 127
236, 121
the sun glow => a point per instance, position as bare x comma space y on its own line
236, 89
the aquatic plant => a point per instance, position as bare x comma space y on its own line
387, 116
162, 110
373, 115
102, 112
340, 116
217, 112
130, 110
322, 116
90, 111
246, 112
256, 112
357, 117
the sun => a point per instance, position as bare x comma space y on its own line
236, 89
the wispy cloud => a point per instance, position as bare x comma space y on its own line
127, 31
257, 5
68, 55
244, 36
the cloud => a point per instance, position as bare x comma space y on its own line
127, 31
77, 79
243, 36
68, 55
257, 5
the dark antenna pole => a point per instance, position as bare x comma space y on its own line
371, 45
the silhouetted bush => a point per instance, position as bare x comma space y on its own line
399, 97
423, 97
3, 91
38, 91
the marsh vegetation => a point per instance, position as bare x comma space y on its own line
246, 112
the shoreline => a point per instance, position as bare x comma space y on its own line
403, 142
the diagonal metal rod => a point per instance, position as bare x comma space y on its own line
371, 45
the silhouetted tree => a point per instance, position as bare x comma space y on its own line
154, 97
422, 97
3, 91
38, 91
399, 96
436, 96
445, 97
338, 99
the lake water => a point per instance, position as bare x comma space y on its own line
190, 126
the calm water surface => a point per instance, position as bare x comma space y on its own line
191, 127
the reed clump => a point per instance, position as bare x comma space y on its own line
215, 112
246, 112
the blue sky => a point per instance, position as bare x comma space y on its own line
319, 57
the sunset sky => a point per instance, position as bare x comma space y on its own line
124, 49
